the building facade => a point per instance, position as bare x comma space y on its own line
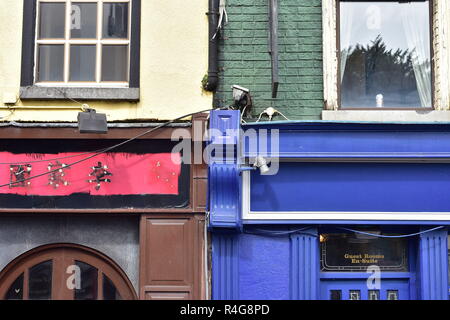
116, 215
336, 186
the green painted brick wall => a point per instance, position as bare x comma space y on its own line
245, 61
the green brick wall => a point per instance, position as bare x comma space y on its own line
245, 61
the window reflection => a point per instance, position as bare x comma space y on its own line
89, 281
385, 54
51, 20
109, 290
40, 281
115, 63
15, 292
83, 20
51, 63
115, 20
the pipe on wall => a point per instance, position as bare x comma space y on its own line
213, 49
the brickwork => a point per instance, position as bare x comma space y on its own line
245, 61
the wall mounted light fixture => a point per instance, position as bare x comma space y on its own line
90, 121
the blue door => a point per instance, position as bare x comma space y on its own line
356, 289
365, 267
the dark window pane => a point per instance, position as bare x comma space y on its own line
89, 281
51, 63
15, 292
115, 63
40, 281
385, 58
84, 20
335, 295
82, 62
51, 20
358, 252
115, 20
109, 290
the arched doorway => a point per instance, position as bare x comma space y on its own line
64, 272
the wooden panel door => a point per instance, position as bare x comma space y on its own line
171, 253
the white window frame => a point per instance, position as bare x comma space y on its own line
67, 42
441, 58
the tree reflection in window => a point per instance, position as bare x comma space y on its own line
385, 54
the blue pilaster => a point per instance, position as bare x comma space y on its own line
225, 266
433, 258
224, 177
305, 265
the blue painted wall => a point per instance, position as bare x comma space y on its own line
371, 187
264, 265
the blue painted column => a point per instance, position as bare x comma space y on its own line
225, 266
433, 259
224, 188
305, 265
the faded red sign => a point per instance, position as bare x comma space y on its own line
106, 174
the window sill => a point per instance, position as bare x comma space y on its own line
387, 115
52, 93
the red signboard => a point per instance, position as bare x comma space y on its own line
104, 175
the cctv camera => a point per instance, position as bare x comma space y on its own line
241, 96
261, 164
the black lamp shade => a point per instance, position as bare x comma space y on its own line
92, 122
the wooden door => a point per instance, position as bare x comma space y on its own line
172, 266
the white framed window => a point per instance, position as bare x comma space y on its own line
384, 55
83, 43
430, 92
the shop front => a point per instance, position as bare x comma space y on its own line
100, 217
343, 211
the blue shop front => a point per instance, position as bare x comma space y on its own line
343, 211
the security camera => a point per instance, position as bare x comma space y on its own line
261, 164
242, 98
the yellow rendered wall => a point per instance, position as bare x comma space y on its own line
174, 59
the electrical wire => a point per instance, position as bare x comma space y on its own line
11, 112
282, 115
84, 106
110, 148
399, 236
84, 153
264, 232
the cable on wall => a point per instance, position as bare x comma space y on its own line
393, 237
102, 151
264, 232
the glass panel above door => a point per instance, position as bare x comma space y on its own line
88, 289
15, 292
109, 290
40, 281
356, 253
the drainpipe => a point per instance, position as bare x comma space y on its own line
213, 68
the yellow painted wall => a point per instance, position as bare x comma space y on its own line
174, 59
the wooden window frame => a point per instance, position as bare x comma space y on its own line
338, 46
440, 13
30, 41
104, 265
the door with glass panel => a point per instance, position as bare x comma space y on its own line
365, 267
64, 273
